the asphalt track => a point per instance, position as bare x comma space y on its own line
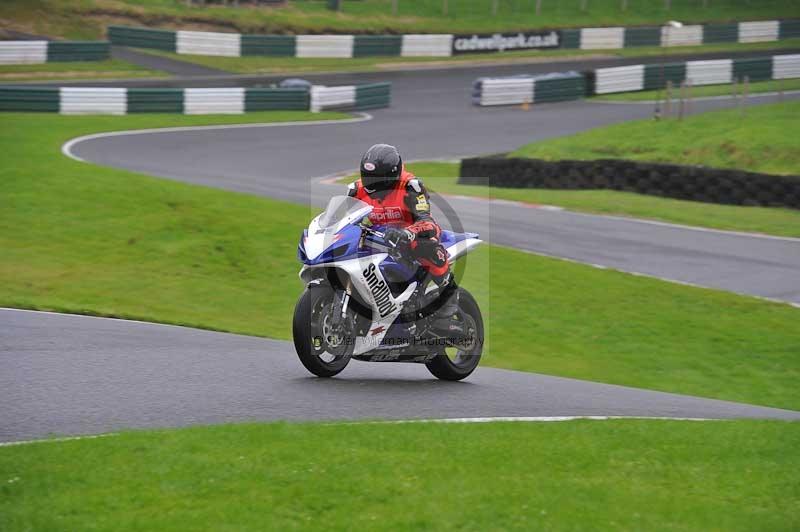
80, 375
77, 375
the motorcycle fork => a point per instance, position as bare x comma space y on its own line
341, 302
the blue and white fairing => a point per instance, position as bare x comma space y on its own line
333, 240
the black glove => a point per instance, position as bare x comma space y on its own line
395, 237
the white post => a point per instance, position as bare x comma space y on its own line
538, 7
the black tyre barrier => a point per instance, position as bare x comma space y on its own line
695, 183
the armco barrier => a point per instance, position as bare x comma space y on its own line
573, 85
619, 79
443, 45
697, 183
529, 89
27, 52
786, 66
350, 97
18, 99
235, 100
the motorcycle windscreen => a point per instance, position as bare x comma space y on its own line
342, 210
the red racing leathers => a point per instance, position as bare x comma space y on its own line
407, 206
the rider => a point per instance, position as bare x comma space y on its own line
400, 201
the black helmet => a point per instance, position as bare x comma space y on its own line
380, 167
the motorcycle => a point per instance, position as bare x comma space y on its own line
366, 300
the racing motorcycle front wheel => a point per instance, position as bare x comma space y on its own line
457, 362
323, 344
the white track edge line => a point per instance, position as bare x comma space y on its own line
67, 147
525, 419
499, 419
58, 440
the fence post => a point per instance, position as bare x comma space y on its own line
624, 5
394, 7
538, 7
682, 106
746, 92
667, 4
584, 5
494, 7
668, 100
688, 96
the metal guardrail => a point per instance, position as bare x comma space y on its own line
234, 100
31, 52
443, 45
573, 85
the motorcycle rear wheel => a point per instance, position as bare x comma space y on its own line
461, 362
310, 340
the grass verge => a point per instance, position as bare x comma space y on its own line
264, 64
766, 138
87, 18
111, 68
88, 239
579, 475
707, 90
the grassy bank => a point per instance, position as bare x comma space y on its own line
263, 65
704, 91
111, 68
87, 18
87, 239
766, 139
580, 475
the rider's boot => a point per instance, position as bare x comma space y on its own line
445, 321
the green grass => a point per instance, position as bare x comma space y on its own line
580, 475
111, 68
708, 90
96, 240
765, 139
263, 64
88, 18
442, 177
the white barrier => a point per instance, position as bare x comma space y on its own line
208, 43
682, 36
619, 79
762, 31
709, 72
213, 101
23, 52
786, 66
427, 46
506, 91
602, 38
93, 100
324, 46
332, 97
